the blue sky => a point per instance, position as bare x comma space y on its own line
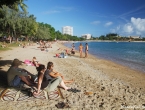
96, 17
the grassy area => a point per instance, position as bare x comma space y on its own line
8, 46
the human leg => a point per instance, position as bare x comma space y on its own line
81, 54
27, 80
53, 84
68, 81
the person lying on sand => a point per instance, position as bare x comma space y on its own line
17, 77
47, 81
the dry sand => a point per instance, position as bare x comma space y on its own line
111, 86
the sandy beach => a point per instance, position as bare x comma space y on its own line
110, 86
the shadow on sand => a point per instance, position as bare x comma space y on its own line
5, 62
3, 75
3, 78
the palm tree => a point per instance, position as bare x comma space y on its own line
20, 4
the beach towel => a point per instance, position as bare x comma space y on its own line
28, 62
12, 94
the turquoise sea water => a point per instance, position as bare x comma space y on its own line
131, 54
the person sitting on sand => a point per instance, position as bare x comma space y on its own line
72, 51
50, 73
17, 77
50, 45
35, 62
66, 51
47, 81
24, 45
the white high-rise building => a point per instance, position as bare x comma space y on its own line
67, 30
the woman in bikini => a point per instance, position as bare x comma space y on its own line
81, 50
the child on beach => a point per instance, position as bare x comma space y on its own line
35, 62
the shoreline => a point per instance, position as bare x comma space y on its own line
105, 41
112, 86
118, 63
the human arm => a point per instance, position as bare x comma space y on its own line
20, 72
24, 72
39, 84
55, 74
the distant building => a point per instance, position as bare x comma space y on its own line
86, 36
67, 30
135, 37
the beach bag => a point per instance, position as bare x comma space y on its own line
62, 55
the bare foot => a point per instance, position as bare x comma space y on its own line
69, 81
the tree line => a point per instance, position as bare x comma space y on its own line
116, 37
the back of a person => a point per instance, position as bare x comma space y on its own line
46, 79
11, 73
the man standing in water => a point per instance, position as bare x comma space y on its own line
86, 50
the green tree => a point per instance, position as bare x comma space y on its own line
102, 37
17, 23
7, 2
14, 4
58, 35
43, 31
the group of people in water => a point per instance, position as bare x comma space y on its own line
72, 51
81, 49
48, 79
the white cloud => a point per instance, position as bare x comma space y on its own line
95, 22
138, 23
51, 12
136, 26
128, 28
108, 23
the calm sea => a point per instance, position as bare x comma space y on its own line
131, 54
